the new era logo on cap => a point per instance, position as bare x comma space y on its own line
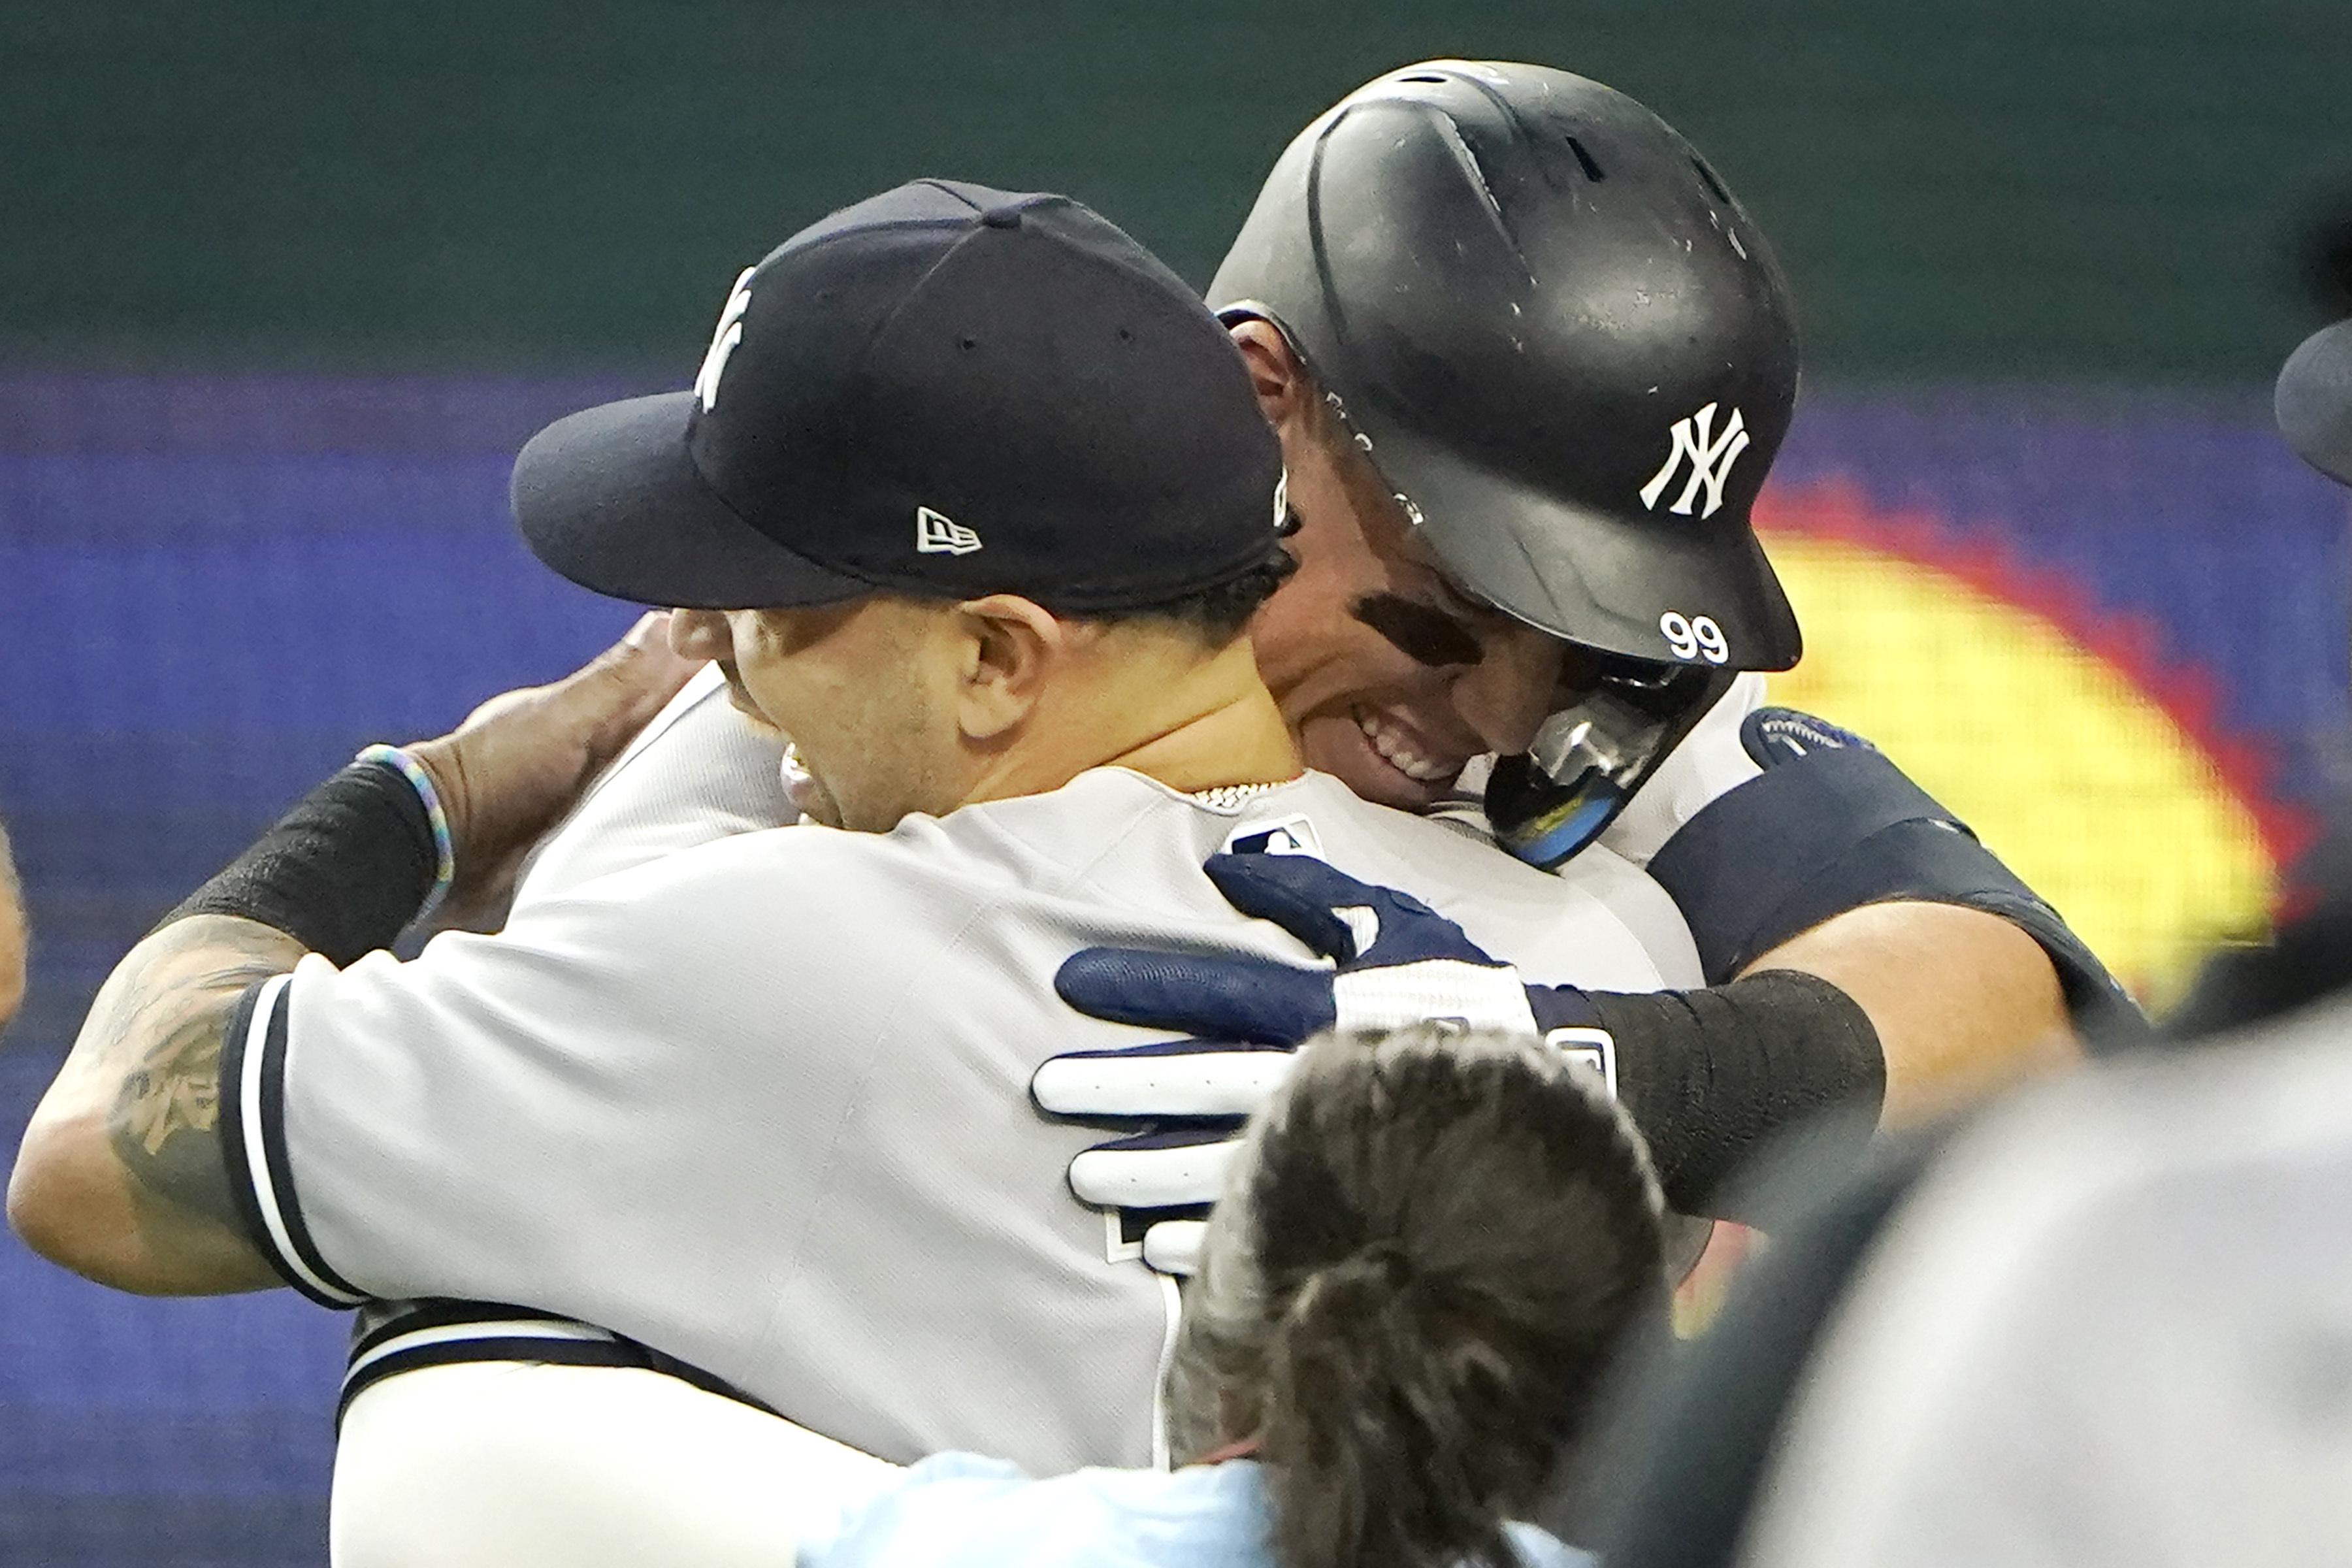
938, 535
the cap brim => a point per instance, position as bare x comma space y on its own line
2312, 401
1589, 577
609, 497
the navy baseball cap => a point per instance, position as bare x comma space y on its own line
945, 390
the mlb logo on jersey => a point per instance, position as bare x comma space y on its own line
936, 534
1290, 835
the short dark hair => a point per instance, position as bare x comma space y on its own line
1220, 613
1430, 1246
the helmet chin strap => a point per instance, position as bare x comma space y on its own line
1589, 758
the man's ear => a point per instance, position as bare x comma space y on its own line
1010, 647
1285, 396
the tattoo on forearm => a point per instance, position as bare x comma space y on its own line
160, 1037
177, 1091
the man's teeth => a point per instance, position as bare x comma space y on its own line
1393, 751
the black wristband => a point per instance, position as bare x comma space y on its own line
1711, 1075
342, 873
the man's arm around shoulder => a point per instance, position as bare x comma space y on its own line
1964, 1002
1830, 861
122, 1175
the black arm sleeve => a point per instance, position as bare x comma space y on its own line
342, 873
1709, 1077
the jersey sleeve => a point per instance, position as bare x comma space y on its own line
1829, 824
252, 1123
456, 1125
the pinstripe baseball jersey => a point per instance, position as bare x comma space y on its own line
762, 1106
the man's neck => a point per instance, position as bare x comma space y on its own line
1214, 723
1243, 741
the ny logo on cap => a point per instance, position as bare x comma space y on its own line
938, 535
723, 340
1711, 457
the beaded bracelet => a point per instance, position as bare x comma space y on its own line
444, 870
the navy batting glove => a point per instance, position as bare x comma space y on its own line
1396, 962
1238, 998
1352, 923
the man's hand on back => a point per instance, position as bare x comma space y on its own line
1396, 961
520, 761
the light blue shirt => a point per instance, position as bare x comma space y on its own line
960, 1511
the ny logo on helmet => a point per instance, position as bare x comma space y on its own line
1711, 457
723, 340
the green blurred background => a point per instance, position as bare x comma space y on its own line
1961, 189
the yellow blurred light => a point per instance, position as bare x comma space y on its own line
2060, 762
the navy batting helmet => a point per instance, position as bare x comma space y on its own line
1563, 343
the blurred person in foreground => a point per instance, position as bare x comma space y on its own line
1425, 1251
2106, 1321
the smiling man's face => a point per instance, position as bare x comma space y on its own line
1393, 677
